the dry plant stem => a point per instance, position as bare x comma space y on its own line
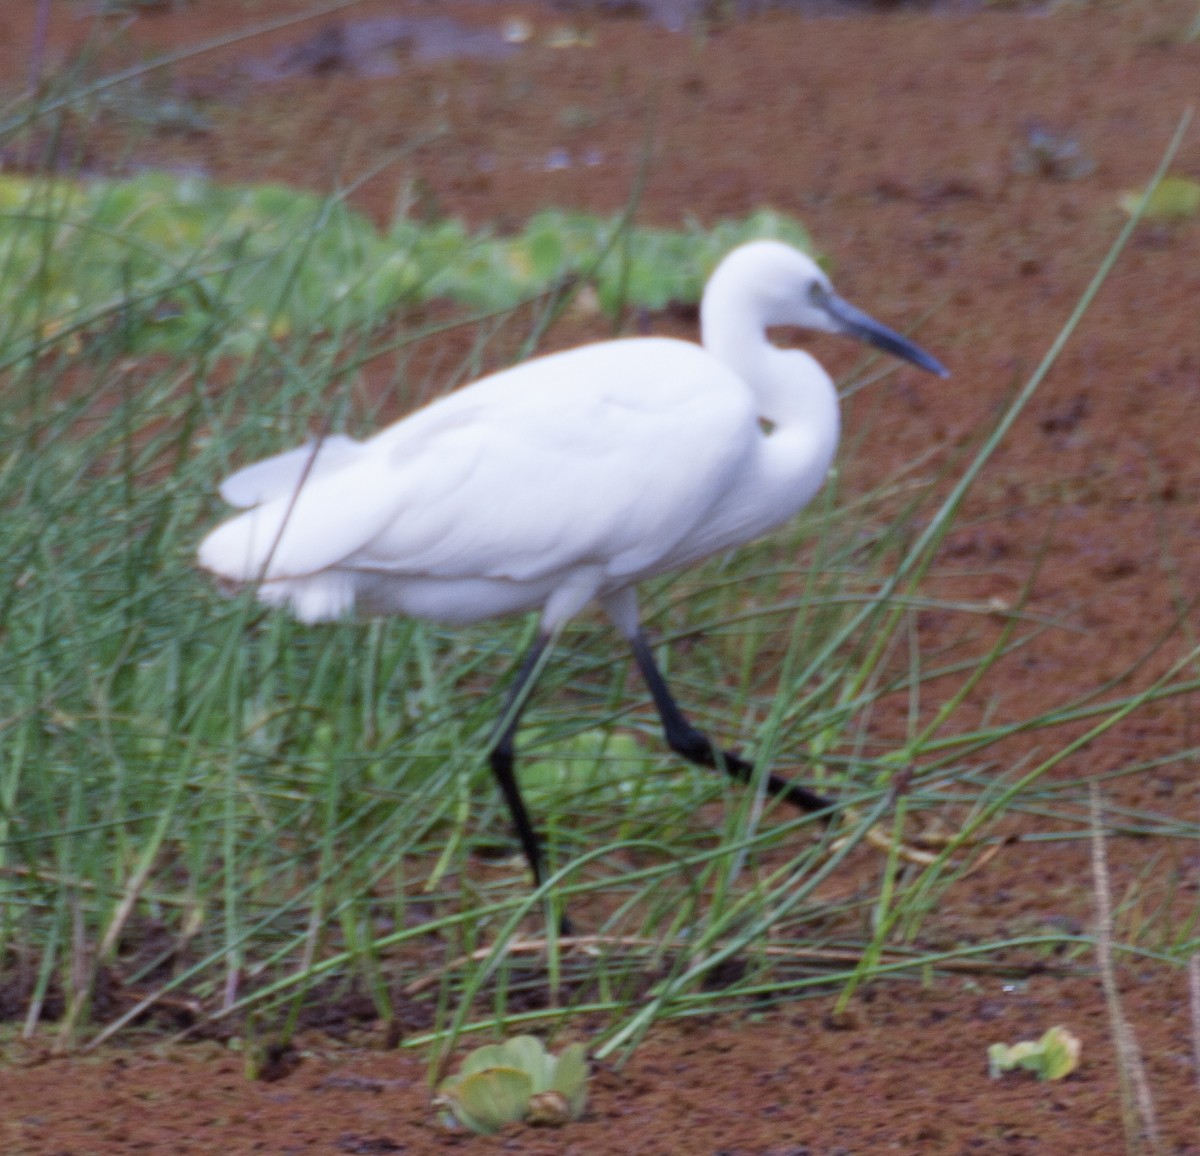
831, 957
913, 852
1137, 1104
1194, 1000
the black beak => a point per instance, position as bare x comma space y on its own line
855, 323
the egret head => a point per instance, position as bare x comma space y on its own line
777, 284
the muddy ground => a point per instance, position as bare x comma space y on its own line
907, 142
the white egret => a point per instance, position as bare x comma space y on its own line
563, 481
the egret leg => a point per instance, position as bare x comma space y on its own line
695, 746
503, 752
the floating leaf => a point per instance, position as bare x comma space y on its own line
1174, 199
591, 760
486, 1101
517, 1080
1052, 1057
570, 1079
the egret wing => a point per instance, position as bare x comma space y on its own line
573, 468
327, 518
609, 455
282, 474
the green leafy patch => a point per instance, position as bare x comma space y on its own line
1052, 1057
611, 764
1172, 200
517, 1081
172, 261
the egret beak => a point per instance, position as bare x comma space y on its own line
855, 323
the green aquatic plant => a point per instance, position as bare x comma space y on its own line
611, 764
167, 262
1052, 1057
1174, 199
517, 1081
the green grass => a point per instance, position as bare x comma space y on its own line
208, 807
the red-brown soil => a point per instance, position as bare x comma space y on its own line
896, 138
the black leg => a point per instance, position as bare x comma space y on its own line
697, 747
502, 753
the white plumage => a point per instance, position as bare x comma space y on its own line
558, 481
564, 480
